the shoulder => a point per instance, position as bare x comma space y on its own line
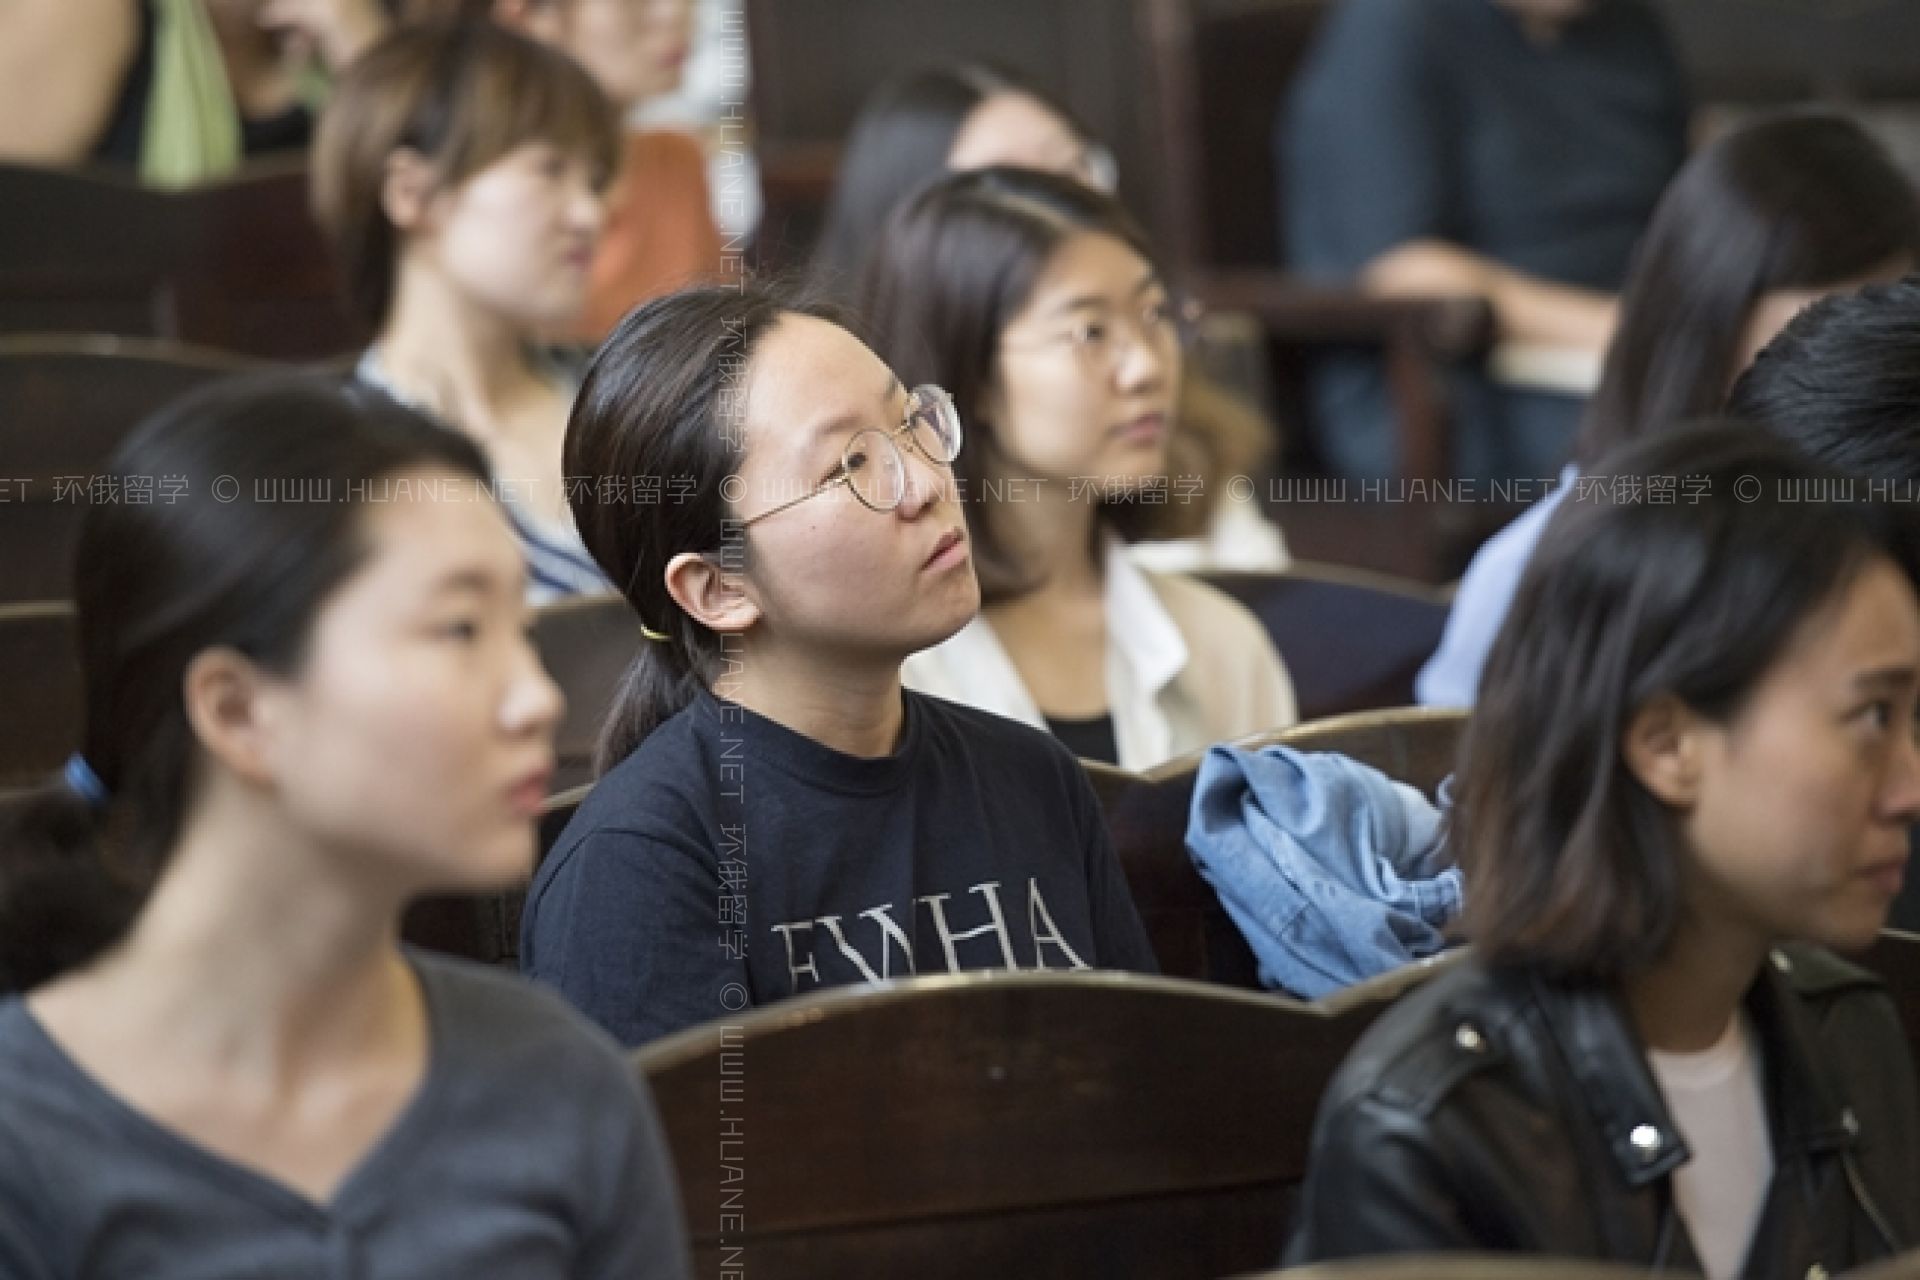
1833, 990
663, 783
660, 798
494, 1016
1462, 1026
1496, 568
1205, 614
1223, 636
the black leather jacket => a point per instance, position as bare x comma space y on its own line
1493, 1110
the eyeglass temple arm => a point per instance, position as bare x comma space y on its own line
843, 478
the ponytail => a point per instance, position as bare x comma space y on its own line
656, 403
656, 687
157, 583
63, 901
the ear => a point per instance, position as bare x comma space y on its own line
1663, 746
229, 708
407, 189
714, 597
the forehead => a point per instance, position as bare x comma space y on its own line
423, 527
1091, 262
1012, 109
1010, 126
1871, 624
806, 371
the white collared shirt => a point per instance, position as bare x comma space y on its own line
1186, 667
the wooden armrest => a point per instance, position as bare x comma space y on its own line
1449, 328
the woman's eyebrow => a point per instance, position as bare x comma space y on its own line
851, 419
1090, 301
466, 580
1889, 679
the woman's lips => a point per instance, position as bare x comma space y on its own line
1888, 876
529, 794
951, 550
1148, 428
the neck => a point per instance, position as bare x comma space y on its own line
464, 362
855, 710
1683, 1003
304, 960
1053, 530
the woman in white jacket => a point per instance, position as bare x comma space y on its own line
1037, 303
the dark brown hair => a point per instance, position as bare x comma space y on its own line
1842, 383
951, 270
1573, 866
1794, 202
897, 148
656, 403
158, 584
460, 93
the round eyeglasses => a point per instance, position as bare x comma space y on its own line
1163, 324
872, 464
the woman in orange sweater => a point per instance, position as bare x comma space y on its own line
659, 232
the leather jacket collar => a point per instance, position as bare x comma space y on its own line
1603, 1052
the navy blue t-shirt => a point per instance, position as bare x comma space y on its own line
730, 861
1443, 119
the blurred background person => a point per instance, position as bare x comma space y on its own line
459, 172
176, 91
658, 232
1510, 150
1036, 302
925, 124
1758, 224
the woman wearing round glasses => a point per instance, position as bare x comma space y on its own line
1038, 303
774, 814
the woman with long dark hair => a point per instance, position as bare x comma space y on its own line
775, 814
927, 124
924, 124
1039, 304
1692, 768
218, 1060
1762, 222
459, 171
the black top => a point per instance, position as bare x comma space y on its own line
1501, 1111
120, 143
1442, 119
731, 861
1090, 739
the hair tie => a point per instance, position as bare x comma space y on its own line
658, 637
84, 782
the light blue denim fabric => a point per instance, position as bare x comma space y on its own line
1333, 871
